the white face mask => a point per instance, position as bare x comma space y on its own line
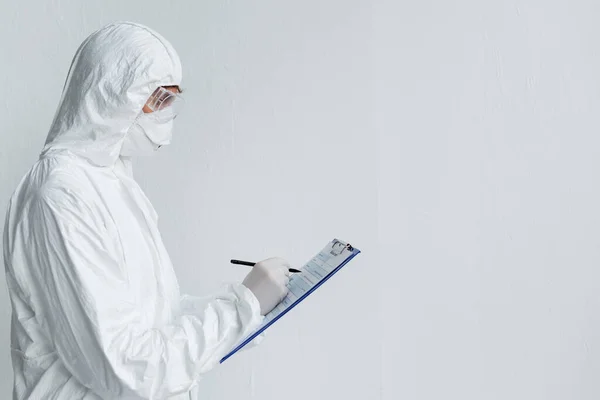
146, 135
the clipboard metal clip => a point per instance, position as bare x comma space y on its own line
338, 247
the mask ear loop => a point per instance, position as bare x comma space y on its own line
135, 120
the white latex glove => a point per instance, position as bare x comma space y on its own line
268, 281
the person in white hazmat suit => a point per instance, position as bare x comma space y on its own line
97, 312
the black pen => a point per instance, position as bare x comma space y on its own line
252, 264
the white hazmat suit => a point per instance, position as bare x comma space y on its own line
97, 312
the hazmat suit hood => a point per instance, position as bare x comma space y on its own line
113, 73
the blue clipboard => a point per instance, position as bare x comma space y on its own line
342, 252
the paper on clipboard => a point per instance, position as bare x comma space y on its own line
314, 273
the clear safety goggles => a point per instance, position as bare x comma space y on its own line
165, 105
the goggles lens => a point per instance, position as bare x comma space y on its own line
165, 105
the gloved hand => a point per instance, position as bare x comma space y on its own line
268, 281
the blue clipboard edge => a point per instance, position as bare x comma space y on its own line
354, 253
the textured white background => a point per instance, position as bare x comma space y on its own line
464, 135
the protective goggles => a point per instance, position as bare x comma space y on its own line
165, 105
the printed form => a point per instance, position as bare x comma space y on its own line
324, 265
312, 273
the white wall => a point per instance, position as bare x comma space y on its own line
464, 133
488, 168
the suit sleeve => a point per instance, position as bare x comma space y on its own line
97, 326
